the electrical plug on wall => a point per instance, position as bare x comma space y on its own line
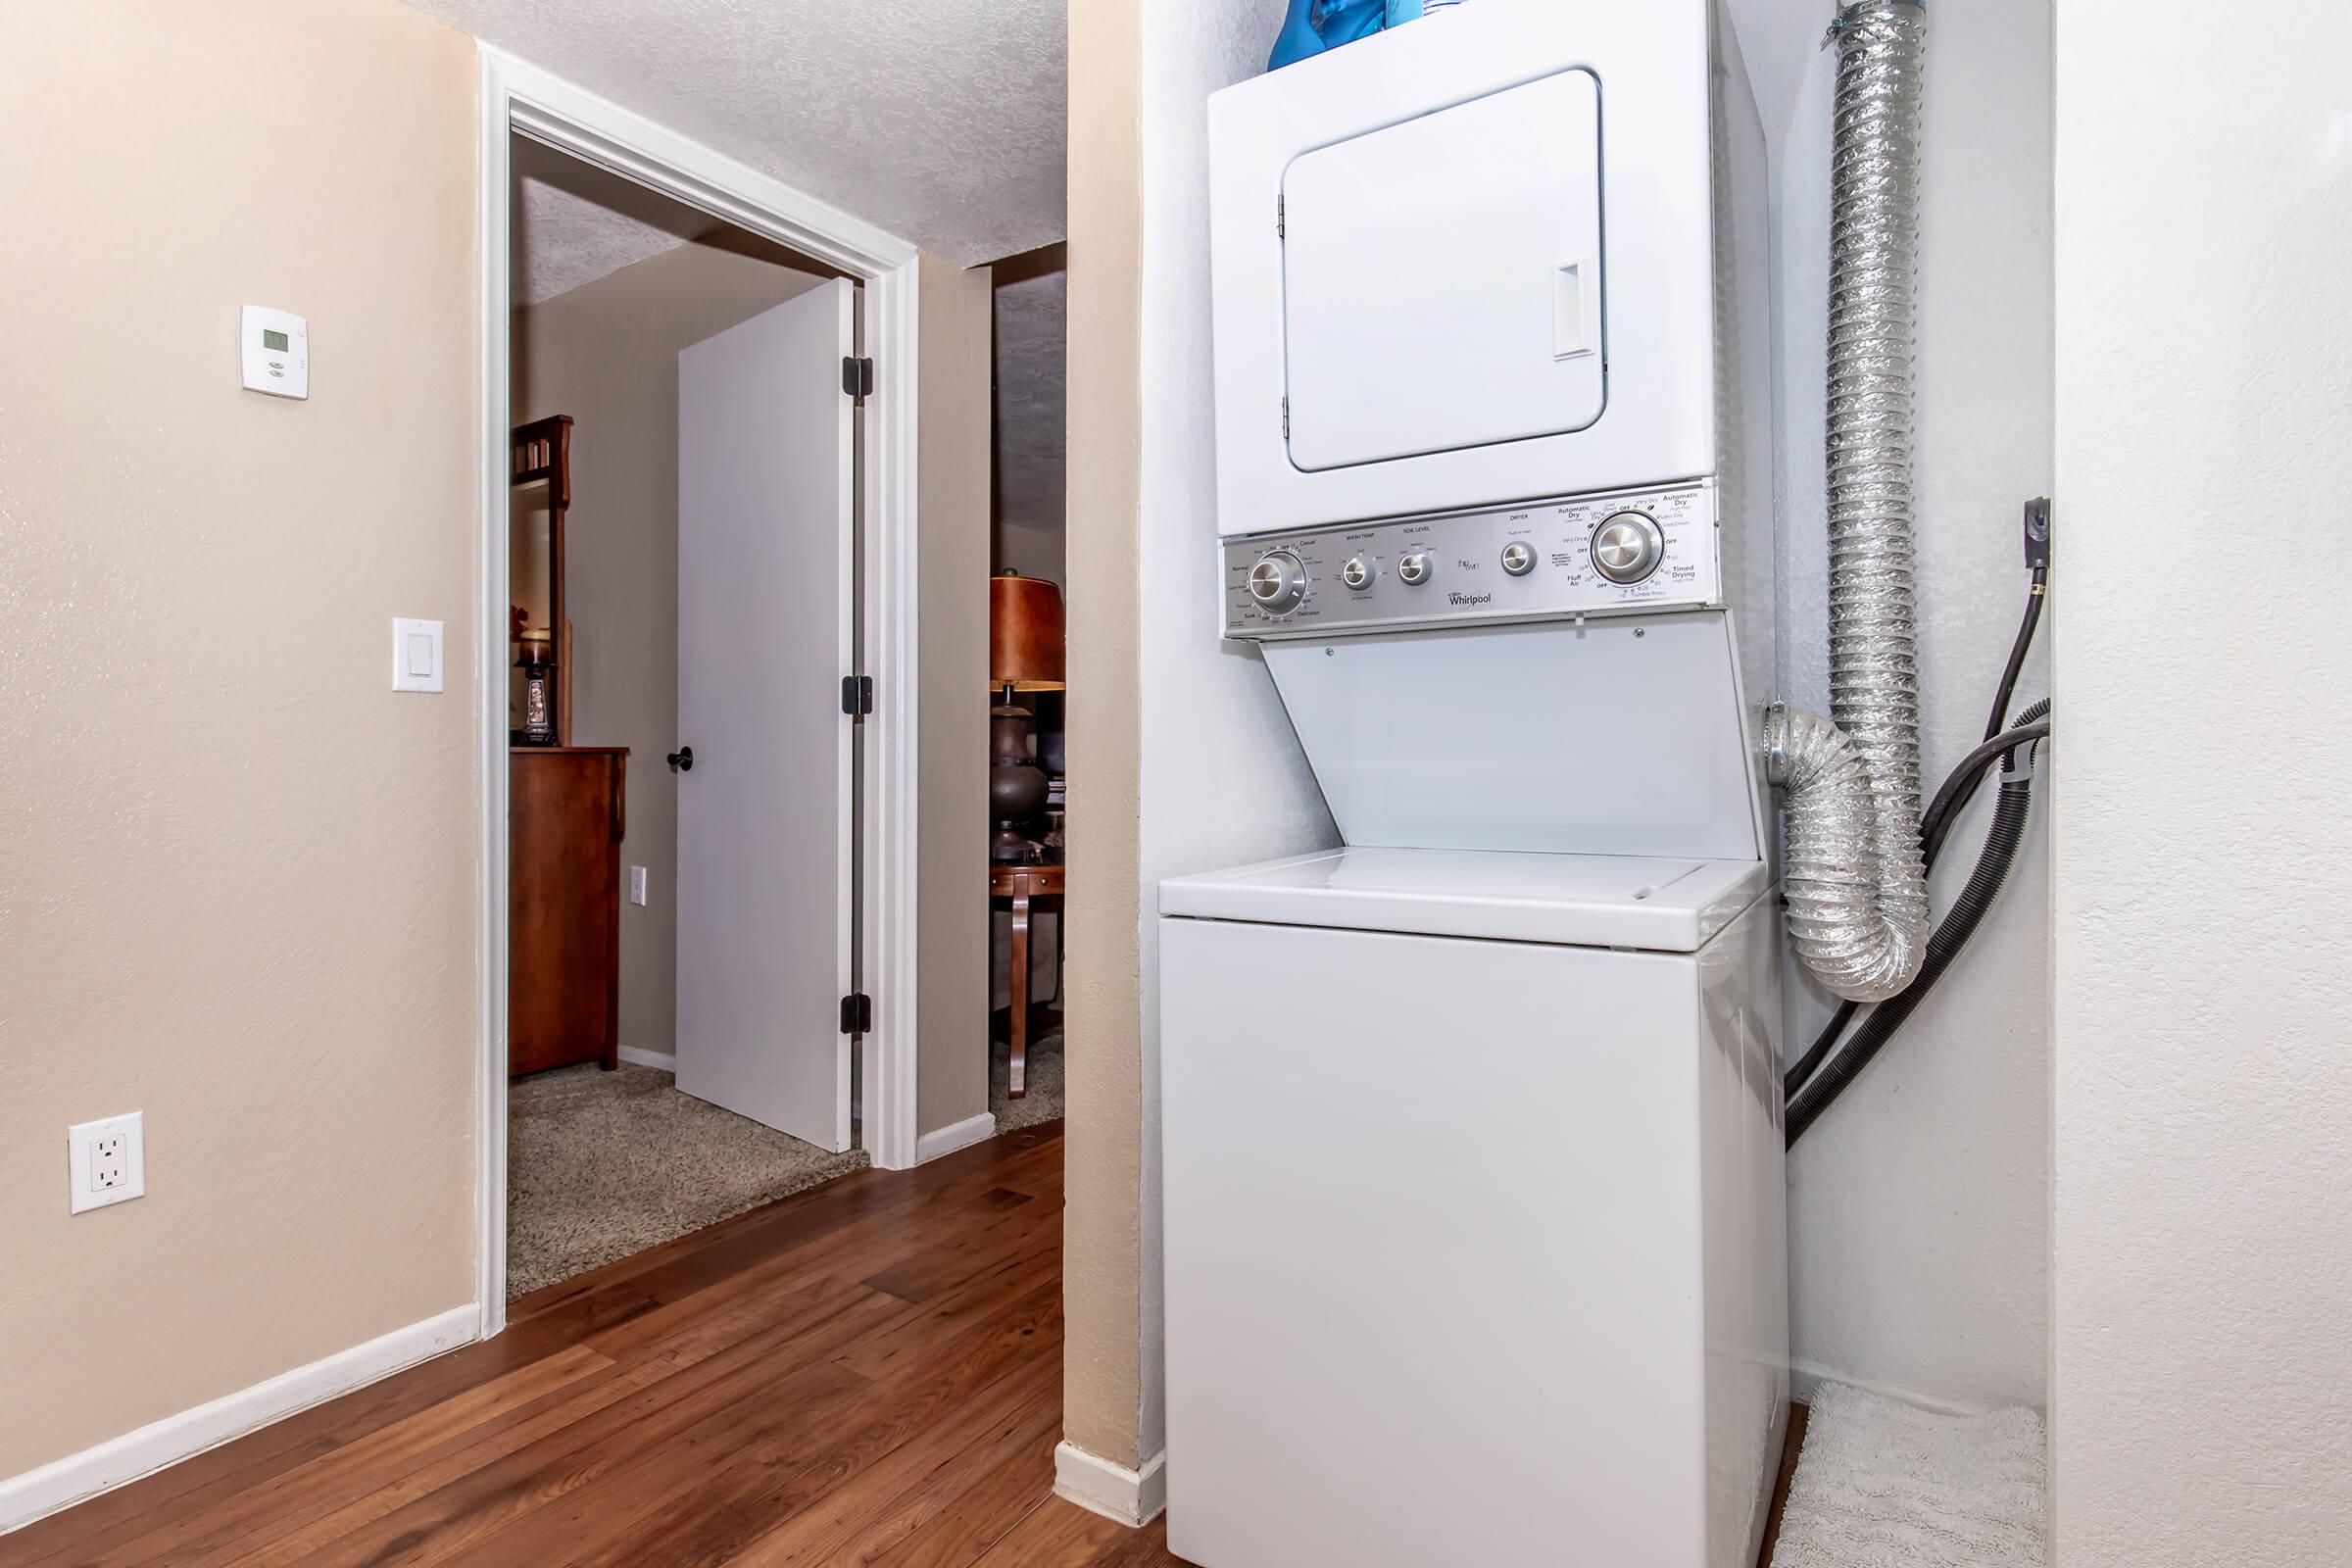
107, 1161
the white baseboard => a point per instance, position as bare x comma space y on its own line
639, 1056
957, 1135
1130, 1497
1805, 1377
80, 1476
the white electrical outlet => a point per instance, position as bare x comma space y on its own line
637, 884
107, 1161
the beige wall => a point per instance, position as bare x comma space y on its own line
2201, 1097
240, 879
952, 807
1181, 756
607, 354
1103, 1388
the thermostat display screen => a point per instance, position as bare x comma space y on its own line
273, 341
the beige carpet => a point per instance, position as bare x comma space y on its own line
602, 1164
1044, 1101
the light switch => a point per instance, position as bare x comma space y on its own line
416, 656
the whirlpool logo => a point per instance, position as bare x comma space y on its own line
1466, 600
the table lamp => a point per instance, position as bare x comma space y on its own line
1024, 655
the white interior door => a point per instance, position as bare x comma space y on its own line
765, 540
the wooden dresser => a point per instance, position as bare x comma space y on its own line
565, 818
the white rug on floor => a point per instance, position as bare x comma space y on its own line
1880, 1484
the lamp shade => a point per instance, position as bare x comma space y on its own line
1024, 634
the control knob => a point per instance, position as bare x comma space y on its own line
1414, 570
1278, 583
1358, 573
1518, 559
1627, 546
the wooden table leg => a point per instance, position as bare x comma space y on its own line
1019, 1067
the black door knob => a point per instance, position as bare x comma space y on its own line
681, 761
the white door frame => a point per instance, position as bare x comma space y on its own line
519, 97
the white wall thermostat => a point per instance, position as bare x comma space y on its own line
274, 347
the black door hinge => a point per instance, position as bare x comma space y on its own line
856, 1013
858, 377
857, 695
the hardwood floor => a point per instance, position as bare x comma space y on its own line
869, 1372
1790, 1449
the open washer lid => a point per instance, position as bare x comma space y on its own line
1590, 900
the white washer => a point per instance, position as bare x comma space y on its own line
1475, 1240
1474, 1221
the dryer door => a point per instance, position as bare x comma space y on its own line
1442, 280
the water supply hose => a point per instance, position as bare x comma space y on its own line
2010, 808
1961, 786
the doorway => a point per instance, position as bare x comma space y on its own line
1027, 548
681, 779
830, 937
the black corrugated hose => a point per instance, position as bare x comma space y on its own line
1937, 820
1810, 1087
2010, 808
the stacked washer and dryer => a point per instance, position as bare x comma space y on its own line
1473, 1153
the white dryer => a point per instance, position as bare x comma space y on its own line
1474, 1226
1517, 250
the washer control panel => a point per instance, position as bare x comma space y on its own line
1585, 555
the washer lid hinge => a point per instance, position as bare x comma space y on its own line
857, 695
856, 1013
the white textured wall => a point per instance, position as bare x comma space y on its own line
1916, 1206
2201, 1395
1223, 778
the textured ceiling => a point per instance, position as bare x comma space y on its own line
575, 224
939, 121
1029, 401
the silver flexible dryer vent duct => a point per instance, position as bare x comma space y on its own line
1855, 881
